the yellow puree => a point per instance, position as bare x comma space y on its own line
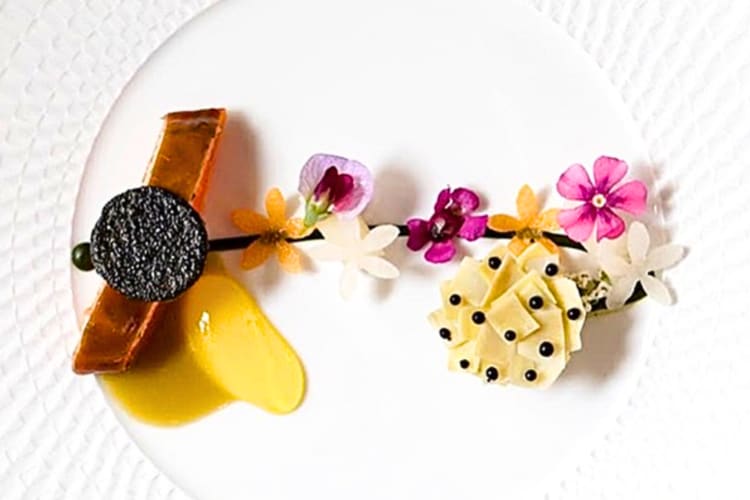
214, 346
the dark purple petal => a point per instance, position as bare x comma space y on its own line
344, 185
419, 234
474, 227
608, 171
445, 225
359, 196
608, 224
444, 197
466, 199
327, 183
575, 184
313, 170
440, 252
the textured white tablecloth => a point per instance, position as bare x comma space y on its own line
683, 69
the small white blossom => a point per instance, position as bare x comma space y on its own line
359, 248
641, 265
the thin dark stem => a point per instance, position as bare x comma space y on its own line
240, 242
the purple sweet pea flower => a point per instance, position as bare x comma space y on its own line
332, 184
452, 219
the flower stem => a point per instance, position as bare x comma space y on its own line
240, 242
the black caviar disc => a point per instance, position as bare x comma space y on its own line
149, 244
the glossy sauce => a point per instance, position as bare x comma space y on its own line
214, 346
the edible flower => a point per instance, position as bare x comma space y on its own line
332, 184
640, 266
600, 198
530, 225
359, 248
452, 219
272, 232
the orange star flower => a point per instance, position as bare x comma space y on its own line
272, 232
530, 225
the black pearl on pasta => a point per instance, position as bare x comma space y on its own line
510, 335
574, 313
494, 263
478, 317
464, 364
491, 374
530, 375
546, 349
536, 302
551, 269
445, 334
454, 299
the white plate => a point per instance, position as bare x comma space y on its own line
426, 94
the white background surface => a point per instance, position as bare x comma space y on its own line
683, 71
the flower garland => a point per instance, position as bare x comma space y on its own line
336, 190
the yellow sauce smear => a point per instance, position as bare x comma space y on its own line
214, 346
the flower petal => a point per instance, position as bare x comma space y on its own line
444, 197
578, 222
256, 254
275, 208
621, 290
503, 223
630, 197
348, 282
289, 257
419, 234
474, 227
250, 221
608, 224
440, 252
295, 228
327, 252
614, 265
608, 171
527, 205
346, 233
313, 170
575, 184
549, 245
638, 242
380, 237
664, 257
547, 220
656, 290
378, 267
517, 245
465, 198
355, 202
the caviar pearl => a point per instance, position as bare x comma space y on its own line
510, 335
536, 302
464, 363
574, 314
546, 349
530, 375
551, 269
445, 334
454, 299
478, 317
491, 374
494, 262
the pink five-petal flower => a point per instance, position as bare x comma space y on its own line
452, 218
600, 198
333, 184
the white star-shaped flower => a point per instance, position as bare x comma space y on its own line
358, 247
641, 265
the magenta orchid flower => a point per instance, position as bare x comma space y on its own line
332, 184
452, 219
600, 199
